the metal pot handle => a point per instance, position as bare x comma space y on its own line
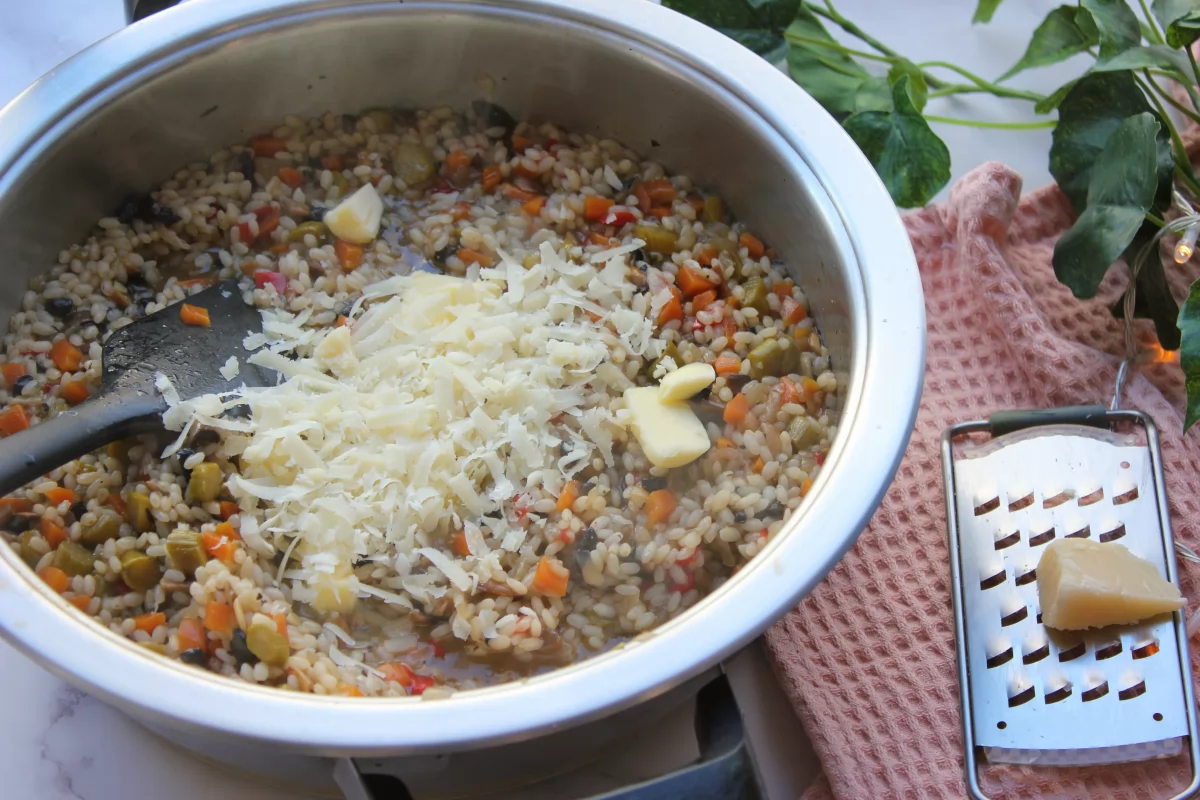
724, 771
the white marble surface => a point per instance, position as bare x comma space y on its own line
58, 744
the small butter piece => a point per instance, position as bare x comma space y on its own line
1085, 584
685, 382
669, 433
335, 595
356, 219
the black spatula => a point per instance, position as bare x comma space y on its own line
191, 356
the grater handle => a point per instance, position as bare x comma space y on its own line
1003, 422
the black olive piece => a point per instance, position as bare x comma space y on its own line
196, 657
60, 306
348, 123
318, 212
127, 212
439, 258
277, 558
240, 411
314, 162
204, 437
140, 292
775, 509
585, 543
183, 454
563, 448
739, 516
586, 489
708, 411
640, 258
20, 383
703, 394
240, 650
19, 523
246, 167
493, 116
653, 484
163, 214
78, 509
737, 382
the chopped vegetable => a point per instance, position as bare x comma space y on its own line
148, 622
727, 364
228, 509
659, 507
75, 392
413, 164
395, 672
81, 601
758, 465
491, 179
736, 409
783, 288
333, 162
16, 504
779, 356
521, 143
568, 495
139, 571
53, 533
265, 641
74, 559
724, 441
318, 230
692, 283
291, 176
458, 160
55, 578
205, 483
704, 300
118, 504
66, 356
186, 551
460, 211
458, 543
788, 393
754, 295
268, 220
106, 526
791, 312
533, 207
349, 690
658, 240
673, 310
219, 545
551, 577
468, 256
191, 635
12, 372
60, 495
194, 315
29, 555
516, 193
137, 512
281, 624
218, 617
658, 192
267, 146
596, 208
753, 246
803, 432
619, 216
806, 486
714, 209
263, 279
239, 648
13, 420
349, 255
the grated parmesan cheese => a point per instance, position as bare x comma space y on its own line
231, 369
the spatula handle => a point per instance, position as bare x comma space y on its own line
73, 433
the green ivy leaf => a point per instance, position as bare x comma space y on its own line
1065, 31
875, 94
832, 78
1121, 191
918, 91
1144, 57
1180, 19
985, 10
1117, 24
1053, 101
738, 14
910, 158
769, 44
1189, 353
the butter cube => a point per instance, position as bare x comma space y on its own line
356, 219
1085, 584
685, 382
669, 433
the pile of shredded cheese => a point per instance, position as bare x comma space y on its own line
428, 414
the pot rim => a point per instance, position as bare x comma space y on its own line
888, 346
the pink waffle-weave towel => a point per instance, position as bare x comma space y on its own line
869, 659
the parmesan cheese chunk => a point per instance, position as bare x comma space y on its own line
356, 219
669, 433
686, 381
1085, 584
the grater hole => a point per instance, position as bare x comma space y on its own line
1035, 656
1114, 534
1026, 577
1021, 502
1157, 717
1092, 498
1021, 698
1058, 695
1095, 693
1001, 724
1137, 690
1082, 533
1000, 659
987, 506
1041, 538
1039, 618
1008, 540
1072, 653
994, 581
1057, 500
1145, 650
1014, 617
1108, 651
1125, 497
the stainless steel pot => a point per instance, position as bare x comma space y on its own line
127, 112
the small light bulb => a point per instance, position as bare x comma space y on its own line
1187, 245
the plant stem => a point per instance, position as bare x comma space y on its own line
838, 48
1151, 23
984, 85
1003, 126
830, 13
1165, 95
1195, 66
1183, 166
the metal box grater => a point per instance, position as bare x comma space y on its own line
1031, 695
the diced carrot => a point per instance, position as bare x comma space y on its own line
704, 300
349, 256
661, 212
420, 683
727, 364
753, 245
706, 255
758, 465
736, 409
460, 211
117, 503
227, 531
659, 506
12, 372
219, 617
66, 356
691, 282
81, 601
516, 193
268, 220
291, 176
458, 543
569, 495
671, 311
16, 504
551, 577
228, 509
527, 172
657, 192
13, 420
349, 690
491, 178
696, 202
148, 622
60, 494
52, 532
458, 160
808, 387
267, 146
468, 256
724, 441
280, 624
194, 315
396, 672
191, 635
783, 288
791, 312
596, 208
333, 162
55, 578
218, 546
279, 248
75, 392
729, 326
534, 207
788, 393
806, 486
600, 239
521, 143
